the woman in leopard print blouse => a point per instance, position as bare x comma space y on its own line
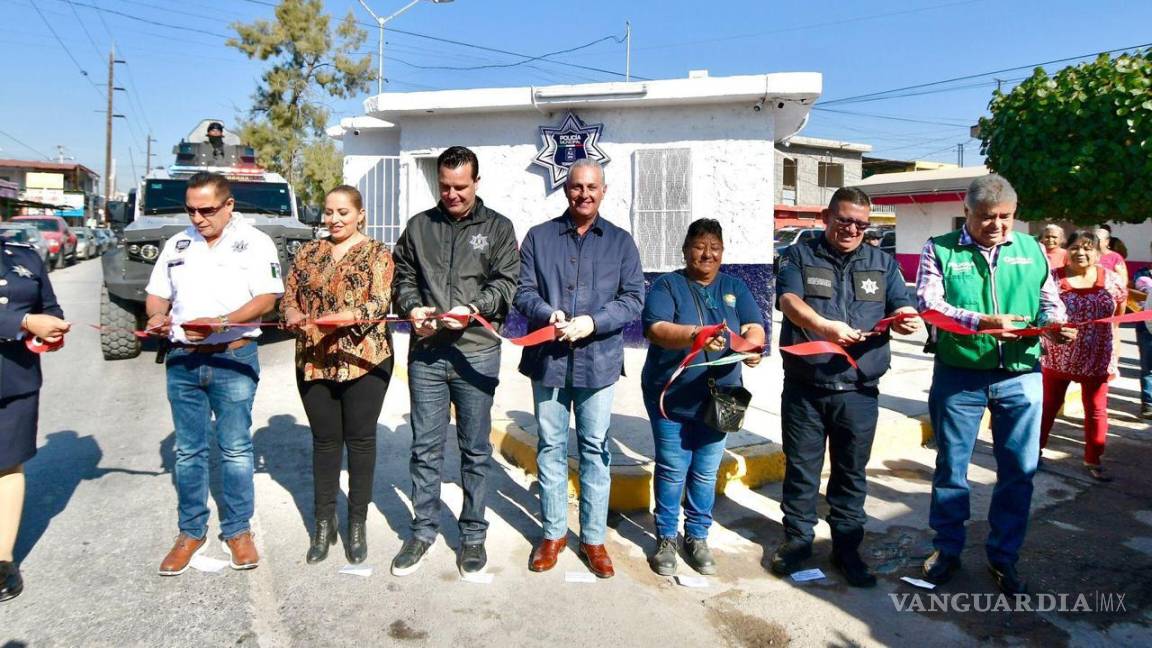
337, 291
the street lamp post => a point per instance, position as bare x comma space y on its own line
384, 21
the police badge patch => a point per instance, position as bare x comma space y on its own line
479, 242
183, 245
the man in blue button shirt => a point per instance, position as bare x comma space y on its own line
581, 273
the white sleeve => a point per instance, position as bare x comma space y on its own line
159, 283
265, 276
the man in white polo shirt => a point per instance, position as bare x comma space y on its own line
218, 271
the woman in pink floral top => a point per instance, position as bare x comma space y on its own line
1089, 292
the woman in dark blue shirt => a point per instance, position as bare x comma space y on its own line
688, 453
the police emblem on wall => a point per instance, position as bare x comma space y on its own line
563, 145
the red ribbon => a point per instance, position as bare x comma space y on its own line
36, 345
736, 342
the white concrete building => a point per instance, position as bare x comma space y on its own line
676, 150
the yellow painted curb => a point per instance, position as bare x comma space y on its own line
631, 489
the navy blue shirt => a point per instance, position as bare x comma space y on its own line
24, 289
597, 274
859, 288
727, 299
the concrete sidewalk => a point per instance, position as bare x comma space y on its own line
754, 455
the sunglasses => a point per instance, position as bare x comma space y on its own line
846, 223
203, 211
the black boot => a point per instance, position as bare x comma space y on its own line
357, 542
11, 584
324, 538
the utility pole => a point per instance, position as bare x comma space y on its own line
960, 154
149, 154
108, 116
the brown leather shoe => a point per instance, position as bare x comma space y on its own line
596, 556
242, 549
545, 554
176, 562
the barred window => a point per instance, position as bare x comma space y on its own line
662, 207
379, 187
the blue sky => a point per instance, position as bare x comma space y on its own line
179, 71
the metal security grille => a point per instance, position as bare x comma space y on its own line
381, 190
662, 209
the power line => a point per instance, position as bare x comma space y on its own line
977, 76
21, 143
541, 57
183, 28
889, 117
65, 48
95, 47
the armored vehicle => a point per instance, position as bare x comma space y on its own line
156, 211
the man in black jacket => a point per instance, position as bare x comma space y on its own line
834, 288
458, 258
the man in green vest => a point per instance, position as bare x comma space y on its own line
986, 277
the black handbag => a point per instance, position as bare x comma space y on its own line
727, 404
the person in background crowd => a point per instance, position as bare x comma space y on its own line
985, 276
581, 273
688, 452
28, 307
872, 237
1142, 281
217, 271
1089, 292
1110, 258
344, 361
1052, 238
458, 258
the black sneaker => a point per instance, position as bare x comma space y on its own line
663, 562
699, 556
789, 555
411, 556
853, 568
472, 559
940, 566
1006, 578
11, 583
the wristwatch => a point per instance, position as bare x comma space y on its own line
224, 325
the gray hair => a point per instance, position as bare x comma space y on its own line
1053, 227
585, 163
989, 190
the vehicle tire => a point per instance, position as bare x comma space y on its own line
119, 319
61, 262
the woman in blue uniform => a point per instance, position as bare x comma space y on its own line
28, 308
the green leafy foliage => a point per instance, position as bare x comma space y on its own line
309, 62
1077, 145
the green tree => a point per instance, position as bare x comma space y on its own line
310, 61
1077, 145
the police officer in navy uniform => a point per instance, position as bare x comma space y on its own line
27, 308
834, 288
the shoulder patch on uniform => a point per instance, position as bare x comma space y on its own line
275, 270
730, 300
183, 244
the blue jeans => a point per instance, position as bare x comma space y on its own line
593, 408
437, 378
687, 459
203, 386
1144, 344
956, 402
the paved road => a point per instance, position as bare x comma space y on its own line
101, 514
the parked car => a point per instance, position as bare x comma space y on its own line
26, 234
789, 236
61, 240
87, 246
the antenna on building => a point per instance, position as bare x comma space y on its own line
61, 156
627, 51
